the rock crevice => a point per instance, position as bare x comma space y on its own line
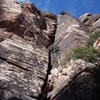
28, 70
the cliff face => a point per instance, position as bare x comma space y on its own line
24, 36
26, 62
92, 21
73, 81
76, 80
70, 33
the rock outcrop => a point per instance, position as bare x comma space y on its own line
92, 21
25, 61
97, 44
51, 23
25, 20
73, 81
78, 79
25, 66
70, 33
24, 36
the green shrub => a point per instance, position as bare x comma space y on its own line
53, 47
92, 38
67, 58
85, 53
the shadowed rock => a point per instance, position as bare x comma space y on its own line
74, 81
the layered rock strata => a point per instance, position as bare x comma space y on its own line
24, 36
26, 63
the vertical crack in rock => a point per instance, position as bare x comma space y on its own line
28, 70
43, 95
44, 91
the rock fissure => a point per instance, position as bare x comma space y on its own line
31, 71
44, 89
43, 95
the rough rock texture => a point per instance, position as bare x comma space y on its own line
24, 37
70, 33
97, 43
74, 81
51, 23
8, 95
24, 20
9, 10
92, 21
25, 61
24, 65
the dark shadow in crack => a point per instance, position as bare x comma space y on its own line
43, 95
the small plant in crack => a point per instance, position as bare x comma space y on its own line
53, 48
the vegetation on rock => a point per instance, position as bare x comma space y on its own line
87, 52
53, 48
92, 38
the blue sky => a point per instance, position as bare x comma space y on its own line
74, 7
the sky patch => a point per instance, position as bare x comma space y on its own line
74, 7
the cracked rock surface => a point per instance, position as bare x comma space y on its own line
28, 70
23, 54
72, 80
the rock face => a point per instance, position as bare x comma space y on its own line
24, 66
92, 21
74, 81
70, 33
78, 79
51, 23
26, 21
97, 44
24, 37
9, 9
26, 62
